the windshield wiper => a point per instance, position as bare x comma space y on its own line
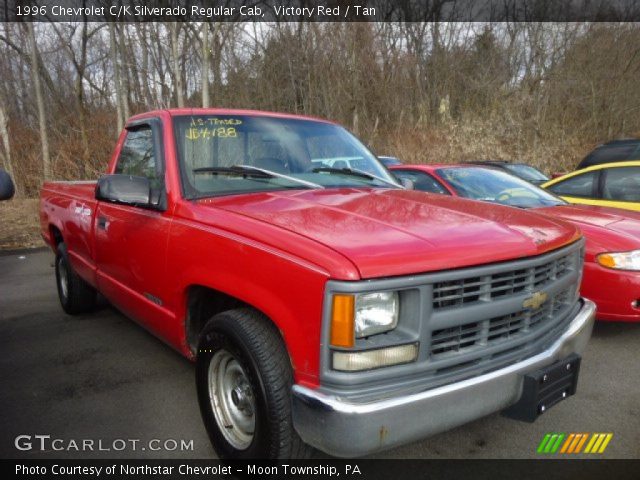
233, 170
251, 171
354, 172
278, 175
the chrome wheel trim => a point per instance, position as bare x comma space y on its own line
232, 399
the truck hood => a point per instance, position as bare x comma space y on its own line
605, 228
398, 232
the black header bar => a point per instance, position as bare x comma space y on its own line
320, 11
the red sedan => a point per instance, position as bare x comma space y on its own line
612, 261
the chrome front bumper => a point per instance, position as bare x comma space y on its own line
345, 429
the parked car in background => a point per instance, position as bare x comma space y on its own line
610, 152
607, 185
323, 307
612, 263
7, 189
522, 170
352, 163
389, 161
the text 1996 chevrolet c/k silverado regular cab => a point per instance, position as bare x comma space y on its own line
324, 304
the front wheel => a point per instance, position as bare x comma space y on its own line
244, 378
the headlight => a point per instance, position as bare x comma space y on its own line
376, 313
361, 315
620, 260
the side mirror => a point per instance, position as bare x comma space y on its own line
407, 184
7, 189
125, 189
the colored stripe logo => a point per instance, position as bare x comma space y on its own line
574, 443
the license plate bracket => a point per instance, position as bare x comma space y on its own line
544, 388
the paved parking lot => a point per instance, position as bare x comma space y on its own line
102, 377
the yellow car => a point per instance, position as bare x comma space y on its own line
607, 185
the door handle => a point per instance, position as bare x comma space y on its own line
102, 223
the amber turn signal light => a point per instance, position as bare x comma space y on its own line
606, 260
342, 318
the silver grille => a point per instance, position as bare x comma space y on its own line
463, 291
479, 319
497, 329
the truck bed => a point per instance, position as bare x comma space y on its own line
70, 207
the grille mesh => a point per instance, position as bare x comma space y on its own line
456, 293
488, 332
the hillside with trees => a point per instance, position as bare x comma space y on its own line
544, 93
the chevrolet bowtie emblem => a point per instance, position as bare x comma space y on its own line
535, 301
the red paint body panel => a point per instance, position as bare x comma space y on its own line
605, 230
398, 232
274, 251
69, 208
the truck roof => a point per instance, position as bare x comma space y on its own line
174, 112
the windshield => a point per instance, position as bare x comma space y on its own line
495, 186
227, 154
527, 172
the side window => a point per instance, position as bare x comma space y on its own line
578, 186
622, 184
137, 156
421, 181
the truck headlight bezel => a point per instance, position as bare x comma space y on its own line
361, 315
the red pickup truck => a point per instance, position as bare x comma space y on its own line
324, 304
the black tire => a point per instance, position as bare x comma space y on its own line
247, 338
76, 295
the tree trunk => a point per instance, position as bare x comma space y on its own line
217, 64
205, 64
177, 77
44, 137
145, 74
82, 119
6, 144
124, 75
82, 113
116, 71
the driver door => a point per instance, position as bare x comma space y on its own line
131, 241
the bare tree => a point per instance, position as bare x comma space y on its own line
35, 67
120, 97
206, 54
5, 153
175, 59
